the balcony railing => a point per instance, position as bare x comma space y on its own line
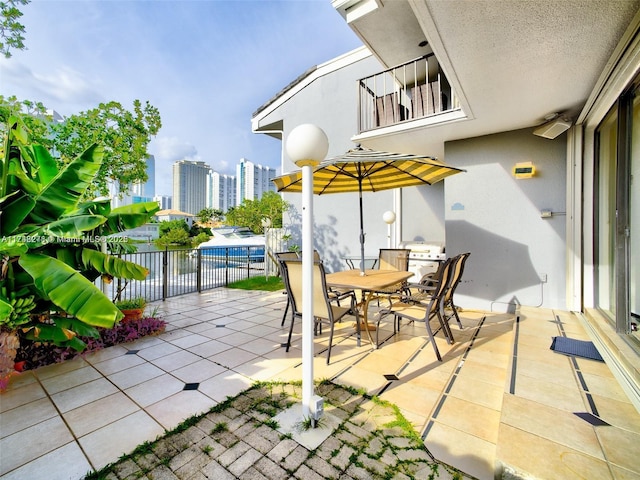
411, 91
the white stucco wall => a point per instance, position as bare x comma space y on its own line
497, 218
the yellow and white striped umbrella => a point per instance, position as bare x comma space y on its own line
364, 170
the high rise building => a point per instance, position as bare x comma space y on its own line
252, 180
148, 188
164, 201
190, 186
137, 192
221, 191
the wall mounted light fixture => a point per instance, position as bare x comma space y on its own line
555, 125
524, 170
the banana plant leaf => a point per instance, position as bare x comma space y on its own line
19, 131
60, 336
47, 166
114, 266
71, 227
130, 216
31, 170
12, 246
94, 207
80, 328
70, 291
13, 211
62, 194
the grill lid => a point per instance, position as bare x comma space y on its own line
424, 249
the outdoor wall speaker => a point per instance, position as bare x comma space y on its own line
553, 128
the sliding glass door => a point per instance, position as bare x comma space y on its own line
617, 239
634, 217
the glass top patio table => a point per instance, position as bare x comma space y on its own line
369, 283
369, 261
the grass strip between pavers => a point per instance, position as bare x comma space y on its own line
239, 438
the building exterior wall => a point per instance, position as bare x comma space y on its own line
423, 214
517, 257
472, 211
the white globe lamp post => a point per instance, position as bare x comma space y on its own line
307, 145
266, 223
389, 217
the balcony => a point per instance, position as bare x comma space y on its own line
408, 92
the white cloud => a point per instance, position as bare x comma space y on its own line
224, 167
69, 86
63, 85
172, 149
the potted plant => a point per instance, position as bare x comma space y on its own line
132, 308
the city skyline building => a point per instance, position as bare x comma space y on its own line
163, 201
253, 181
148, 188
190, 186
221, 191
138, 192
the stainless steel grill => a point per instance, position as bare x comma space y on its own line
425, 257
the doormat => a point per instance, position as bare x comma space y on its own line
578, 348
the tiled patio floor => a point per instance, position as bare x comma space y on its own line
500, 399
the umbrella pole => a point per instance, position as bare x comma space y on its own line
361, 231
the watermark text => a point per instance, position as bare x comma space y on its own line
55, 239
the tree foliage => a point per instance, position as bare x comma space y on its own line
11, 29
124, 134
175, 236
205, 215
51, 247
251, 213
167, 225
177, 232
218, 215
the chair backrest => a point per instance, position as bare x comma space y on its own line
281, 256
440, 284
286, 256
295, 308
394, 259
321, 304
316, 256
443, 276
456, 274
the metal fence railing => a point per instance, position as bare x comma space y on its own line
177, 272
411, 91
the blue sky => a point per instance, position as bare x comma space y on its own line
207, 65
